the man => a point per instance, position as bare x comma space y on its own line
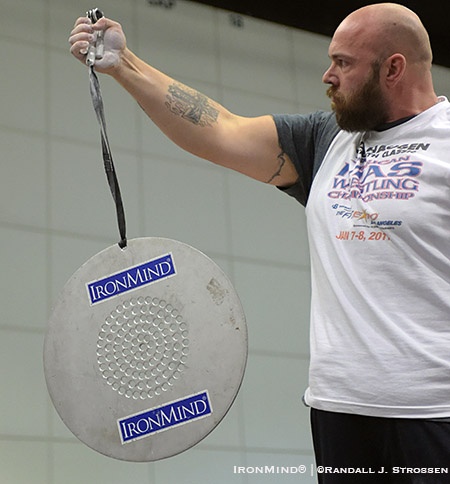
374, 176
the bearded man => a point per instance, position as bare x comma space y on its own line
374, 176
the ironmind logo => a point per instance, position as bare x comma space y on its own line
132, 278
173, 414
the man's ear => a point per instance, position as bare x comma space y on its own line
394, 69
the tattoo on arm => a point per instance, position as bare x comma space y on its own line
281, 162
191, 105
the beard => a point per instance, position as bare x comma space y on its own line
362, 110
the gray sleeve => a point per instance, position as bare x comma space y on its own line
305, 139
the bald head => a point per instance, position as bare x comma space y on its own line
387, 29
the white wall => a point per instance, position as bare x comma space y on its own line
56, 212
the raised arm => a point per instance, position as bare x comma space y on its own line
193, 121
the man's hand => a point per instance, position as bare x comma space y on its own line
83, 34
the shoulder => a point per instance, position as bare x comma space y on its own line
313, 121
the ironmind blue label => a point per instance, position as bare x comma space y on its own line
158, 419
132, 278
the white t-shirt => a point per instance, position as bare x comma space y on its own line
378, 217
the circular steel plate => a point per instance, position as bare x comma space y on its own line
145, 349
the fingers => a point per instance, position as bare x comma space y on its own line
83, 24
81, 36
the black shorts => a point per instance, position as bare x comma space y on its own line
370, 450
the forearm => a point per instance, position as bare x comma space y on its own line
189, 118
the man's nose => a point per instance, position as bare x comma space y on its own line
327, 76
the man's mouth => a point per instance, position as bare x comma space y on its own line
331, 93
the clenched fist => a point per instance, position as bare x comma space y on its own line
83, 34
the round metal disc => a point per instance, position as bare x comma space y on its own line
145, 349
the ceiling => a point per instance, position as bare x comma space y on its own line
323, 16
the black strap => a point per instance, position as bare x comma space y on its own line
107, 156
